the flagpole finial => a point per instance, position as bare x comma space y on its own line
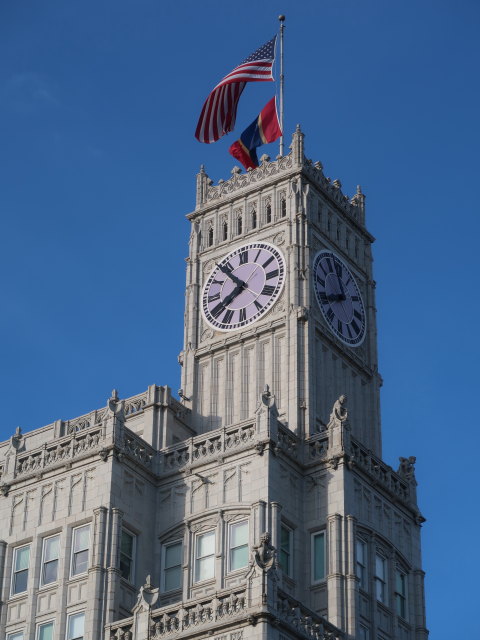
281, 17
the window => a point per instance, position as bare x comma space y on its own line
401, 593
21, 563
75, 626
268, 212
127, 555
254, 218
16, 635
347, 241
239, 225
45, 631
329, 223
205, 556
238, 545
319, 212
50, 553
339, 232
81, 543
283, 206
225, 230
172, 566
363, 633
286, 549
318, 555
362, 563
210, 236
381, 578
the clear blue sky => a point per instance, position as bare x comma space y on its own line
98, 105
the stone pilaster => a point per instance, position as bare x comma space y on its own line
335, 579
113, 571
96, 574
351, 591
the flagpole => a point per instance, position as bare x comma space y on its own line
282, 27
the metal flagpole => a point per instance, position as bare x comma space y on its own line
282, 27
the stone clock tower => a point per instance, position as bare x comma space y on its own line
293, 346
256, 507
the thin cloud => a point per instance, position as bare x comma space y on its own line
28, 92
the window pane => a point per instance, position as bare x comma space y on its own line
50, 572
239, 534
81, 538
173, 578
51, 548
80, 562
125, 567
45, 631
76, 625
126, 545
206, 544
20, 581
361, 556
205, 568
319, 557
18, 635
173, 555
285, 538
400, 583
22, 557
380, 567
238, 558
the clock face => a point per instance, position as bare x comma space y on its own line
243, 286
339, 298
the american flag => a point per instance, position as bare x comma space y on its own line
220, 108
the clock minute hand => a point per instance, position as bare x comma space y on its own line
229, 274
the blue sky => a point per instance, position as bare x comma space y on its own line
98, 105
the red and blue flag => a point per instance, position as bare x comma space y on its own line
265, 128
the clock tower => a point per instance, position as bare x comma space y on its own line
280, 293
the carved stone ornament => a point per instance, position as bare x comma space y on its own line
208, 266
116, 407
279, 238
207, 334
339, 412
264, 554
147, 596
407, 468
4, 489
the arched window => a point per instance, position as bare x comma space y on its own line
268, 211
210, 236
283, 205
225, 229
239, 224
253, 219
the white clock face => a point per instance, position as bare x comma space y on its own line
243, 286
339, 298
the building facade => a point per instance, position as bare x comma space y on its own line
257, 505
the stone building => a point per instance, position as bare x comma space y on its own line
257, 505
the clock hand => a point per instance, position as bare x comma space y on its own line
230, 275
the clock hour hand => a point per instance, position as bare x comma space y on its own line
229, 273
336, 297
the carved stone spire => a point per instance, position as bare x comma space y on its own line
297, 147
202, 183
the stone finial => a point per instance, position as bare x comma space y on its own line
337, 184
297, 147
203, 182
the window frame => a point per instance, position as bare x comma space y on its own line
131, 575
401, 598
362, 579
288, 571
231, 548
57, 560
39, 625
196, 558
73, 552
314, 535
14, 572
381, 580
171, 543
11, 635
67, 628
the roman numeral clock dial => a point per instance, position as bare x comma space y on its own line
339, 298
243, 286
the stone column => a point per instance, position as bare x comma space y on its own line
275, 529
113, 572
421, 632
96, 577
336, 599
352, 591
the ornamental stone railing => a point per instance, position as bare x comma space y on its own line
139, 450
84, 422
135, 404
288, 442
184, 617
59, 451
316, 448
206, 446
383, 474
304, 622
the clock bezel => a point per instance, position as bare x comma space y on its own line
329, 324
273, 297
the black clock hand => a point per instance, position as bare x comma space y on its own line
230, 275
